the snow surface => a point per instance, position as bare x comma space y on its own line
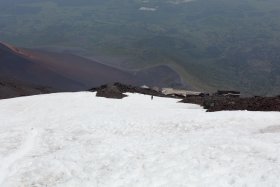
77, 139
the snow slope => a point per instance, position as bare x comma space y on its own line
77, 139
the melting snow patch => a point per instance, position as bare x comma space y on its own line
148, 9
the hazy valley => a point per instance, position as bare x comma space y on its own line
217, 44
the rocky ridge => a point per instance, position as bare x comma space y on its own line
219, 101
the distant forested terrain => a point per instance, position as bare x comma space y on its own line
225, 44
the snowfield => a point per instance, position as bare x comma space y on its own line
77, 139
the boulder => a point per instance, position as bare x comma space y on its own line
110, 92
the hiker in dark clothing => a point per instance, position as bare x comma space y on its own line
152, 97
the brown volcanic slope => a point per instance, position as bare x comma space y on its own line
66, 72
11, 88
19, 65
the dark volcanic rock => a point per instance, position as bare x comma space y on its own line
110, 92
213, 103
199, 100
117, 90
250, 104
227, 93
